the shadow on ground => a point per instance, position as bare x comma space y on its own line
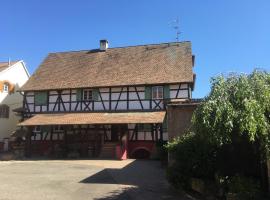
138, 180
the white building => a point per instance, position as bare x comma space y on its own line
12, 76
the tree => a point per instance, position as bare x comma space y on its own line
237, 106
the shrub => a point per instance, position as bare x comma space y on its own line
162, 151
193, 157
244, 188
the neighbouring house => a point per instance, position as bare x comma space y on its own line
106, 102
13, 75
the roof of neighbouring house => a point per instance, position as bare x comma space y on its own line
134, 65
5, 65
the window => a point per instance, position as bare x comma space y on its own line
5, 87
144, 127
58, 128
157, 92
4, 111
87, 95
37, 129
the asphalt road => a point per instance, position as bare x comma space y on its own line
84, 179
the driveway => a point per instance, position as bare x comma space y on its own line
84, 179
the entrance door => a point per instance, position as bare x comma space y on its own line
115, 132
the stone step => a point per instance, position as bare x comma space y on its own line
108, 150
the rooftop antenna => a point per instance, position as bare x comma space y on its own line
176, 27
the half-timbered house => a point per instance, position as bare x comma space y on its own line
106, 102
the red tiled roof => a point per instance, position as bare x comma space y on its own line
137, 65
94, 118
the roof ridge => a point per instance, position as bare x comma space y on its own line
140, 45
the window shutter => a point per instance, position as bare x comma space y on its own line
11, 88
41, 98
79, 95
166, 89
95, 94
148, 92
1, 86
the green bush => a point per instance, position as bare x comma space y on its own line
193, 157
162, 151
244, 188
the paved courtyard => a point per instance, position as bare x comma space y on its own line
84, 179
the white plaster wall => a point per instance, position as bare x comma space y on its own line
17, 75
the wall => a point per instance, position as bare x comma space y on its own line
17, 75
179, 119
135, 96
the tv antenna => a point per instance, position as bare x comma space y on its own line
176, 27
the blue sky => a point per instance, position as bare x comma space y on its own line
226, 35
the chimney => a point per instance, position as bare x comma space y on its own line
104, 45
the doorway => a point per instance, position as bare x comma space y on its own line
117, 131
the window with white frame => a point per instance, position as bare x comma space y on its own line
157, 92
87, 95
5, 87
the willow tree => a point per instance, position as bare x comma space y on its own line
238, 105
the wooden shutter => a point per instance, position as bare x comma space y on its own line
11, 88
79, 94
41, 98
95, 94
1, 86
166, 90
148, 92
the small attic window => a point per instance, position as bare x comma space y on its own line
5, 87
